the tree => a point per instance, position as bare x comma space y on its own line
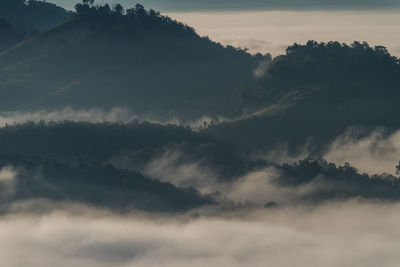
104, 10
398, 169
82, 9
85, 8
118, 9
140, 11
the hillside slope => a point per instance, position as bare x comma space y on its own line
32, 15
10, 35
142, 60
318, 90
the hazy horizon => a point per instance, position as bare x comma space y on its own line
260, 28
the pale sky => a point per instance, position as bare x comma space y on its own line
271, 25
273, 31
196, 5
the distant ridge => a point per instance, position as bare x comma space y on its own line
141, 60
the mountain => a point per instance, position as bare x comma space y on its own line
129, 146
94, 184
10, 35
141, 60
156, 66
102, 164
32, 15
318, 90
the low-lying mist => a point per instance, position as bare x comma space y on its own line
270, 209
354, 233
99, 115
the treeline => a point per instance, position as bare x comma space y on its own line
333, 68
325, 180
138, 13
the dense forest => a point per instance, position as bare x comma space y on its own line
66, 161
318, 90
152, 58
104, 56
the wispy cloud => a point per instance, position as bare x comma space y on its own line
374, 153
8, 174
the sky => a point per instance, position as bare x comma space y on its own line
270, 26
196, 5
273, 31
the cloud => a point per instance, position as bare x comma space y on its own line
89, 115
349, 234
7, 182
169, 167
7, 174
255, 188
259, 187
262, 68
98, 115
374, 153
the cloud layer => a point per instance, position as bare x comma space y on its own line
351, 234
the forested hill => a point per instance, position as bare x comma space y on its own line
318, 90
32, 14
140, 59
110, 57
10, 35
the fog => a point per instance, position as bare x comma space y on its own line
377, 152
349, 234
99, 115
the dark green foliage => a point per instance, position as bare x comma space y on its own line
320, 89
335, 70
327, 181
137, 58
137, 142
70, 162
141, 60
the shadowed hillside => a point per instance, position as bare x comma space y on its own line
318, 90
10, 35
32, 14
141, 60
94, 184
137, 144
